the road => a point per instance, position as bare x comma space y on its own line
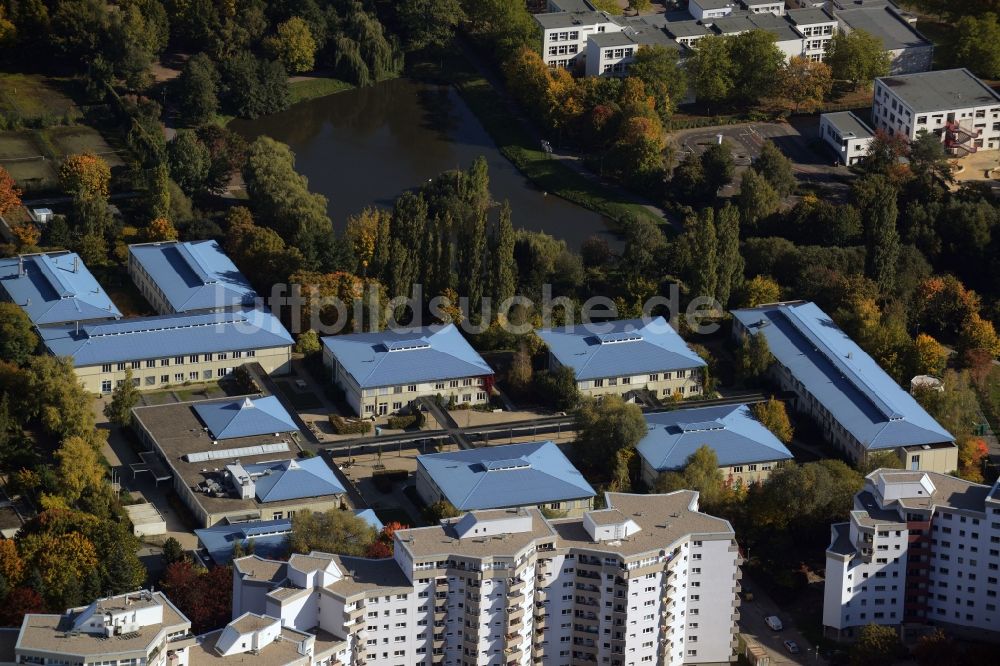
751, 623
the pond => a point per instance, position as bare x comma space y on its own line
366, 146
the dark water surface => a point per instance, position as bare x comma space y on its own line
364, 147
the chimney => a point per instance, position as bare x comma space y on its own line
20, 266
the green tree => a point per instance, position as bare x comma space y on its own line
642, 255
53, 394
334, 531
604, 428
293, 45
124, 397
730, 261
660, 71
753, 358
712, 70
772, 164
876, 199
78, 29
503, 268
717, 163
805, 83
760, 289
440, 510
857, 57
758, 64
189, 161
173, 551
688, 180
559, 387
253, 87
757, 198
928, 160
773, 415
876, 645
504, 26
701, 473
704, 243
976, 44
17, 336
198, 90
429, 23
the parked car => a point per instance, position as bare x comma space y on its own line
792, 647
773, 622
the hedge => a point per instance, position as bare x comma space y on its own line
342, 427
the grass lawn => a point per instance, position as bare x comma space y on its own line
70, 140
32, 96
316, 86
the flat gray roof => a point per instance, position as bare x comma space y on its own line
849, 125
883, 24
715, 4
687, 29
569, 19
809, 16
605, 39
572, 5
941, 90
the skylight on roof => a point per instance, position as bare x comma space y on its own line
408, 345
621, 336
506, 464
701, 426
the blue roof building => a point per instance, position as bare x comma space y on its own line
266, 538
626, 355
54, 288
495, 477
745, 448
245, 418
384, 371
859, 407
281, 480
188, 277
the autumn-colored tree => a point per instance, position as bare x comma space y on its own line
79, 468
805, 83
161, 229
565, 105
528, 81
10, 195
971, 453
447, 308
294, 45
929, 356
204, 596
11, 565
27, 235
773, 415
978, 333
941, 306
329, 299
19, 602
334, 531
85, 175
382, 547
364, 231
62, 563
760, 289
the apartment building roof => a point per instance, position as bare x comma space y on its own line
262, 569
731, 431
677, 29
245, 417
849, 125
840, 541
779, 26
388, 358
570, 19
165, 336
941, 90
620, 348
884, 24
361, 574
758, 3
571, 5
733, 24
501, 476
714, 4
842, 378
949, 491
55, 288
809, 16
193, 275
443, 539
662, 519
284, 651
609, 39
60, 634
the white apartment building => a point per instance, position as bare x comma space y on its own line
649, 580
710, 9
776, 7
610, 53
920, 547
565, 35
953, 104
817, 29
127, 630
847, 135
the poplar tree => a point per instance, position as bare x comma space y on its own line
730, 260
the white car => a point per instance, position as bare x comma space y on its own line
773, 622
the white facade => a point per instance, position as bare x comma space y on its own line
919, 548
565, 35
610, 60
964, 111
623, 586
846, 135
709, 9
765, 6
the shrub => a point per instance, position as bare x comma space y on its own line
402, 422
344, 427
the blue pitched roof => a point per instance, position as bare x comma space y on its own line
293, 479
194, 276
387, 358
500, 476
165, 336
269, 537
245, 418
731, 431
368, 515
843, 378
55, 288
618, 348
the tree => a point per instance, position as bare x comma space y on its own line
972, 451
659, 69
77, 29
753, 358
124, 397
85, 175
440, 510
701, 473
52, 393
559, 387
189, 161
876, 197
12, 567
198, 90
773, 415
929, 356
760, 289
172, 551
976, 45
429, 23
712, 70
17, 336
876, 645
503, 270
688, 180
857, 57
757, 199
928, 161
293, 45
758, 64
253, 87
873, 460
772, 164
978, 333
161, 229
503, 26
704, 243
520, 372
19, 602
204, 596
334, 531
10, 195
79, 468
805, 83
63, 562
604, 428
717, 163
936, 649
730, 261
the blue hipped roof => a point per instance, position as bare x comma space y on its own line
500, 476
845, 380
194, 276
368, 515
731, 431
55, 288
293, 479
245, 418
620, 348
388, 358
166, 336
